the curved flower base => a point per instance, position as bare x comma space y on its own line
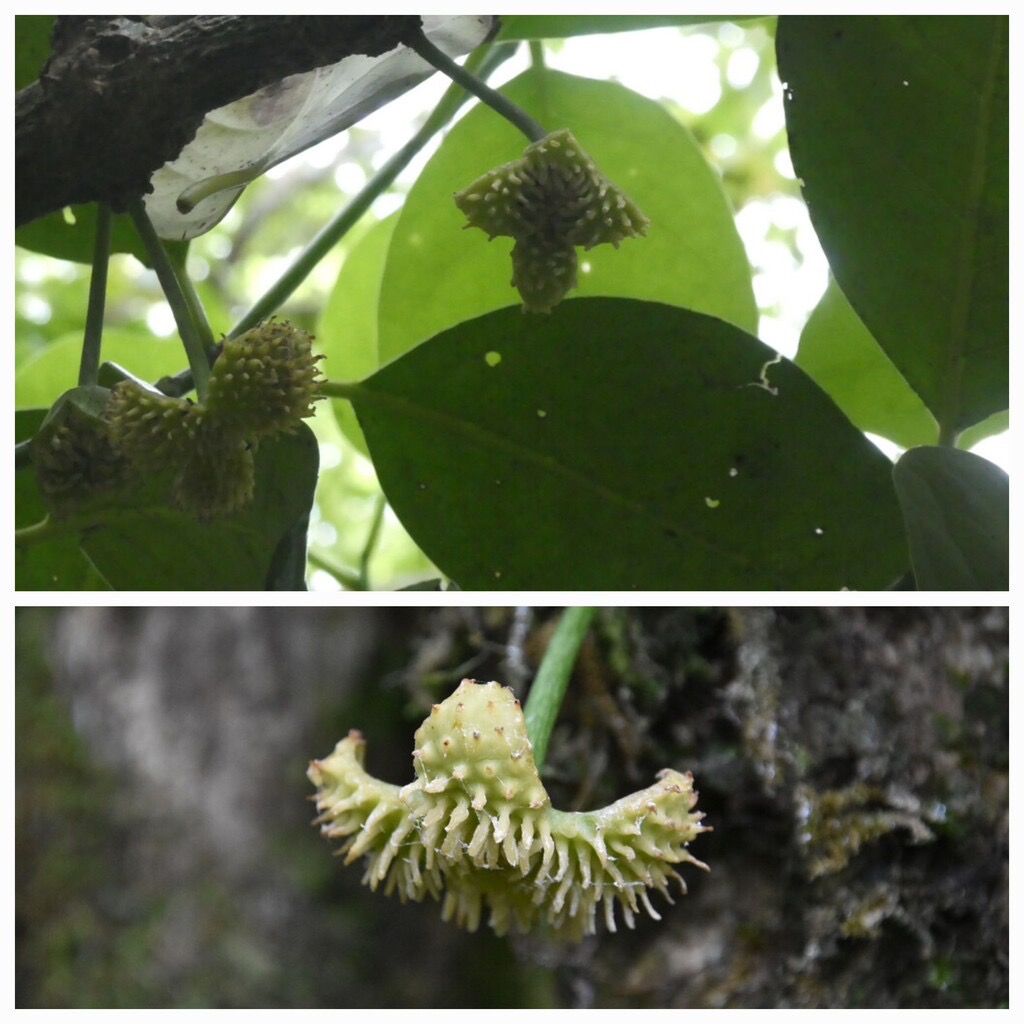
476, 828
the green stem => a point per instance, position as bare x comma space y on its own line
190, 336
89, 367
371, 542
348, 579
195, 305
548, 689
486, 60
483, 92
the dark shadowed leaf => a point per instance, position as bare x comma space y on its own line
618, 444
898, 128
165, 550
957, 514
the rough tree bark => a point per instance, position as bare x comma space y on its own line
120, 96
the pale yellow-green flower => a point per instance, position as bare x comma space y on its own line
476, 828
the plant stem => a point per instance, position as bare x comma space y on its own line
548, 689
440, 60
336, 229
190, 335
371, 542
348, 579
89, 367
195, 306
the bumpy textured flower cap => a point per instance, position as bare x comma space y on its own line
266, 380
550, 200
476, 828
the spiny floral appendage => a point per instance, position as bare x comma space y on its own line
476, 828
266, 380
212, 462
550, 200
264, 383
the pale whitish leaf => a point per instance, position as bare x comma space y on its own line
244, 139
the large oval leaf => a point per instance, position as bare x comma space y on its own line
438, 274
618, 445
957, 511
898, 127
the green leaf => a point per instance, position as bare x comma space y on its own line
957, 513
438, 275
997, 423
347, 331
31, 46
71, 235
560, 26
619, 445
41, 379
162, 549
898, 127
841, 356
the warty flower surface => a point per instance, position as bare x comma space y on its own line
550, 200
476, 828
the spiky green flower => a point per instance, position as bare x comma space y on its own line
149, 427
476, 827
550, 201
212, 461
216, 472
266, 380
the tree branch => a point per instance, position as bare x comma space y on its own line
120, 96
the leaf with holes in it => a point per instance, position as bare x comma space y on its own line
237, 143
899, 130
619, 445
957, 511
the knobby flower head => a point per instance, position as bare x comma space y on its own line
550, 201
476, 828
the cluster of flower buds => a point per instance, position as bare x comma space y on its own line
263, 383
550, 201
476, 829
